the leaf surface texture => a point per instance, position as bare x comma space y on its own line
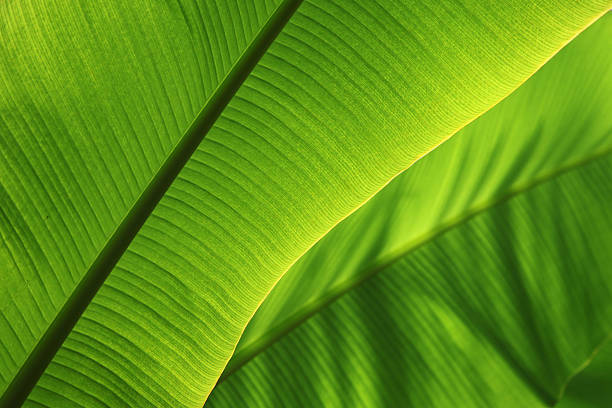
480, 277
346, 97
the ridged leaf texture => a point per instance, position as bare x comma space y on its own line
163, 164
479, 278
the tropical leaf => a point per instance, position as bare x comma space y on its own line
164, 163
591, 387
480, 277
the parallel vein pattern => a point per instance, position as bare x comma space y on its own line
346, 97
499, 311
560, 117
76, 181
557, 122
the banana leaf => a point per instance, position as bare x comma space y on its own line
480, 277
165, 163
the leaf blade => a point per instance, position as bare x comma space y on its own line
446, 192
80, 296
327, 173
429, 330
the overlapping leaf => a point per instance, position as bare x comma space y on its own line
480, 277
95, 123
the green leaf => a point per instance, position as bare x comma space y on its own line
591, 387
480, 277
139, 206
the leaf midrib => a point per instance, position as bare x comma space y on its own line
314, 307
42, 354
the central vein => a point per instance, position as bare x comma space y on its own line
117, 244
